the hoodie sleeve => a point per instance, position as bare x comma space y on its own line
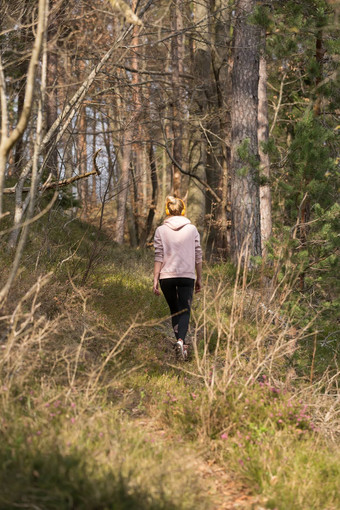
158, 245
198, 250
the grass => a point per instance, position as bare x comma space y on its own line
81, 458
97, 413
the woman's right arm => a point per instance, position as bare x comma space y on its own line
198, 284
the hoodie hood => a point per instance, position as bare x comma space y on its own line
176, 222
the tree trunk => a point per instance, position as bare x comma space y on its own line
52, 99
19, 147
153, 205
123, 187
262, 133
42, 21
8, 140
177, 69
94, 138
83, 186
139, 198
210, 94
245, 198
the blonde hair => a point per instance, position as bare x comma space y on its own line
174, 206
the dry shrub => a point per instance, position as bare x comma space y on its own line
74, 347
244, 333
62, 437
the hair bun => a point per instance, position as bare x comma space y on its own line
174, 206
170, 199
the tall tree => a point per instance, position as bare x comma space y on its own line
177, 57
245, 198
263, 136
52, 83
210, 115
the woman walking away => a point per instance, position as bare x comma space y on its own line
177, 254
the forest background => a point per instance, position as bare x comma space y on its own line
106, 108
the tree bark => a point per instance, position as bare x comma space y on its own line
153, 205
52, 87
42, 23
262, 133
177, 69
245, 199
123, 187
83, 186
94, 141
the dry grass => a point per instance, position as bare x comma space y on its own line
78, 367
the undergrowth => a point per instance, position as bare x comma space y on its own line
84, 362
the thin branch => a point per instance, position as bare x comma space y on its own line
277, 108
63, 182
203, 183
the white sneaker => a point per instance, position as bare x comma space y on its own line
181, 349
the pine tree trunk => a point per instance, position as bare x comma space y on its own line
245, 198
19, 147
139, 198
24, 41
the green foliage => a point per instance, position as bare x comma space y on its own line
262, 16
311, 163
301, 475
67, 199
305, 169
245, 154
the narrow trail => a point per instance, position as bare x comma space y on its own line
226, 492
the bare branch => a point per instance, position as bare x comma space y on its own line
277, 107
62, 183
181, 169
7, 142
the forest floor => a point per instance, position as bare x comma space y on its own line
97, 413
223, 488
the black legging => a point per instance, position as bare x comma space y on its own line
178, 294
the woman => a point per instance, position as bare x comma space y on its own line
177, 254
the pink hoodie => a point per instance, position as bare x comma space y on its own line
177, 246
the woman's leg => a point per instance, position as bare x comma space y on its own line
169, 289
185, 290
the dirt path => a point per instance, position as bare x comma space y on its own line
224, 490
226, 493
